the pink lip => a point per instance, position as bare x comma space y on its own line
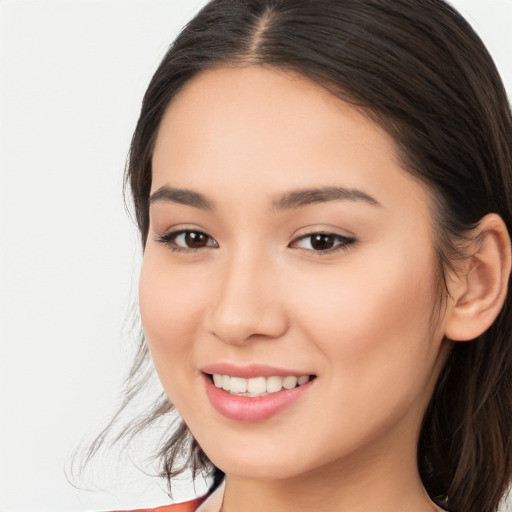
243, 408
250, 371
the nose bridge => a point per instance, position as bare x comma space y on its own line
247, 304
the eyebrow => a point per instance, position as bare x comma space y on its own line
301, 198
181, 196
289, 200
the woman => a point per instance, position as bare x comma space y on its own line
323, 190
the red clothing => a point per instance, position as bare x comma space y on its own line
188, 506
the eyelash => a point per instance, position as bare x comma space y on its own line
169, 239
342, 242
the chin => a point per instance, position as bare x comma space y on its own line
255, 461
261, 469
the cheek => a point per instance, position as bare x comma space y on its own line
170, 308
372, 328
371, 319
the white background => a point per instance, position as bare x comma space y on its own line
72, 75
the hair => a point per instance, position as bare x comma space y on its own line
420, 71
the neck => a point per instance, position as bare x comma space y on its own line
387, 481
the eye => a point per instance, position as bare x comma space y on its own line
322, 242
186, 239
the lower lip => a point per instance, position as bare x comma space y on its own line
244, 408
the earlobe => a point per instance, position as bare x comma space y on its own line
481, 287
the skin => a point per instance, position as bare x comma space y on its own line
359, 318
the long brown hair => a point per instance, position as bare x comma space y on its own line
423, 74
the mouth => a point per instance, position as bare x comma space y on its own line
258, 386
256, 398
255, 392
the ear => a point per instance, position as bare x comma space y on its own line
479, 290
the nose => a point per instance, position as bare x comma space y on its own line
248, 305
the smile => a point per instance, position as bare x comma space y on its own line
255, 398
257, 386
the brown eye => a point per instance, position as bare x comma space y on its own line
196, 239
187, 239
321, 242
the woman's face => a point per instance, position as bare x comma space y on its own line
286, 241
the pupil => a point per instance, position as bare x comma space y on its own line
195, 240
322, 242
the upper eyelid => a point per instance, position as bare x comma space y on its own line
344, 242
170, 235
326, 233
324, 229
175, 231
323, 232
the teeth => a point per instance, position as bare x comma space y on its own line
238, 385
274, 384
302, 380
257, 386
289, 382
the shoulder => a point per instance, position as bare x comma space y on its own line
187, 506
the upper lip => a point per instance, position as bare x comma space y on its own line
251, 370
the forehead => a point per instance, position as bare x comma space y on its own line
262, 129
268, 106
